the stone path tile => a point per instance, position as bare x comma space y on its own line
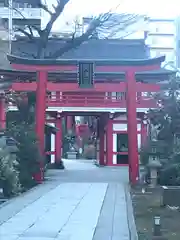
64, 210
83, 221
120, 221
15, 205
69, 206
9, 237
113, 223
34, 238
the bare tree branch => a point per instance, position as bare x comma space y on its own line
30, 35
45, 8
105, 25
58, 10
121, 25
101, 24
46, 32
25, 33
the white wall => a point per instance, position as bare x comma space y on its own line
160, 27
123, 127
52, 144
160, 41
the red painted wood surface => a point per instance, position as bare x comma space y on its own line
74, 87
41, 117
132, 127
101, 143
109, 143
75, 68
40, 108
96, 100
2, 114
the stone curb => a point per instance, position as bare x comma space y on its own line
4, 203
130, 215
21, 195
12, 199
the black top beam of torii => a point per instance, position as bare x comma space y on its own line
98, 62
84, 66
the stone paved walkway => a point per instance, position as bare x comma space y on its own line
82, 202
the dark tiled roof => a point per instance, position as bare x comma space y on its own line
156, 72
98, 62
93, 49
155, 76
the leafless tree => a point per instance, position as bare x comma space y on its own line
106, 24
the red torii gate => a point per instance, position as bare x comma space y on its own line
130, 67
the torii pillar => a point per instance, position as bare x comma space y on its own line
41, 107
132, 127
131, 90
101, 138
41, 116
42, 76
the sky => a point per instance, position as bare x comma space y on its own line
153, 8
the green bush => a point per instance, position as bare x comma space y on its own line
21, 127
28, 155
170, 175
9, 174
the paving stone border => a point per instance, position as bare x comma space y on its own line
12, 199
131, 221
4, 203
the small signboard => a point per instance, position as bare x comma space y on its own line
86, 74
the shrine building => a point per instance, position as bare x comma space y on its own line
109, 79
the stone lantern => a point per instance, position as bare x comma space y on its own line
9, 142
12, 145
154, 164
